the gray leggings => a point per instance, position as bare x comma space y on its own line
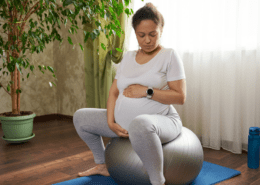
91, 124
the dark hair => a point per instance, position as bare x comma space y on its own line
147, 12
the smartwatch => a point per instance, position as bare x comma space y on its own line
149, 92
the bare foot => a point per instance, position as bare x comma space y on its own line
100, 169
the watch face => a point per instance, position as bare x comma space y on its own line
150, 91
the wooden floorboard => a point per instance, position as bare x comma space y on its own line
57, 154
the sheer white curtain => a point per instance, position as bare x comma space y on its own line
219, 43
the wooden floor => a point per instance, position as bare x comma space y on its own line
57, 154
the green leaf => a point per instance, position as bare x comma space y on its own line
69, 39
8, 88
96, 31
86, 36
81, 47
18, 67
111, 10
10, 67
59, 22
65, 22
126, 2
118, 49
32, 68
103, 46
18, 91
93, 36
127, 11
97, 23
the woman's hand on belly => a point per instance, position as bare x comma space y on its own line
135, 91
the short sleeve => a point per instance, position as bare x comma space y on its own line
119, 68
175, 68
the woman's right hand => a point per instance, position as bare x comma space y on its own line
116, 128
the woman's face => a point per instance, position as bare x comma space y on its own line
148, 35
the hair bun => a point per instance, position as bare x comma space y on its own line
150, 5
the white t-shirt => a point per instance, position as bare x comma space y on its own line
165, 66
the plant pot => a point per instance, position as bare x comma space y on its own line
17, 128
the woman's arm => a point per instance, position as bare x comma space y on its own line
175, 94
111, 103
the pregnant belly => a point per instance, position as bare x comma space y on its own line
126, 109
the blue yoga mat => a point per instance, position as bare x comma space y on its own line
209, 174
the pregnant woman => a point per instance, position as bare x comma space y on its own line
147, 83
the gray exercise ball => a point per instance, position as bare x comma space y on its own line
183, 160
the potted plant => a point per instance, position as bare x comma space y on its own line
18, 125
